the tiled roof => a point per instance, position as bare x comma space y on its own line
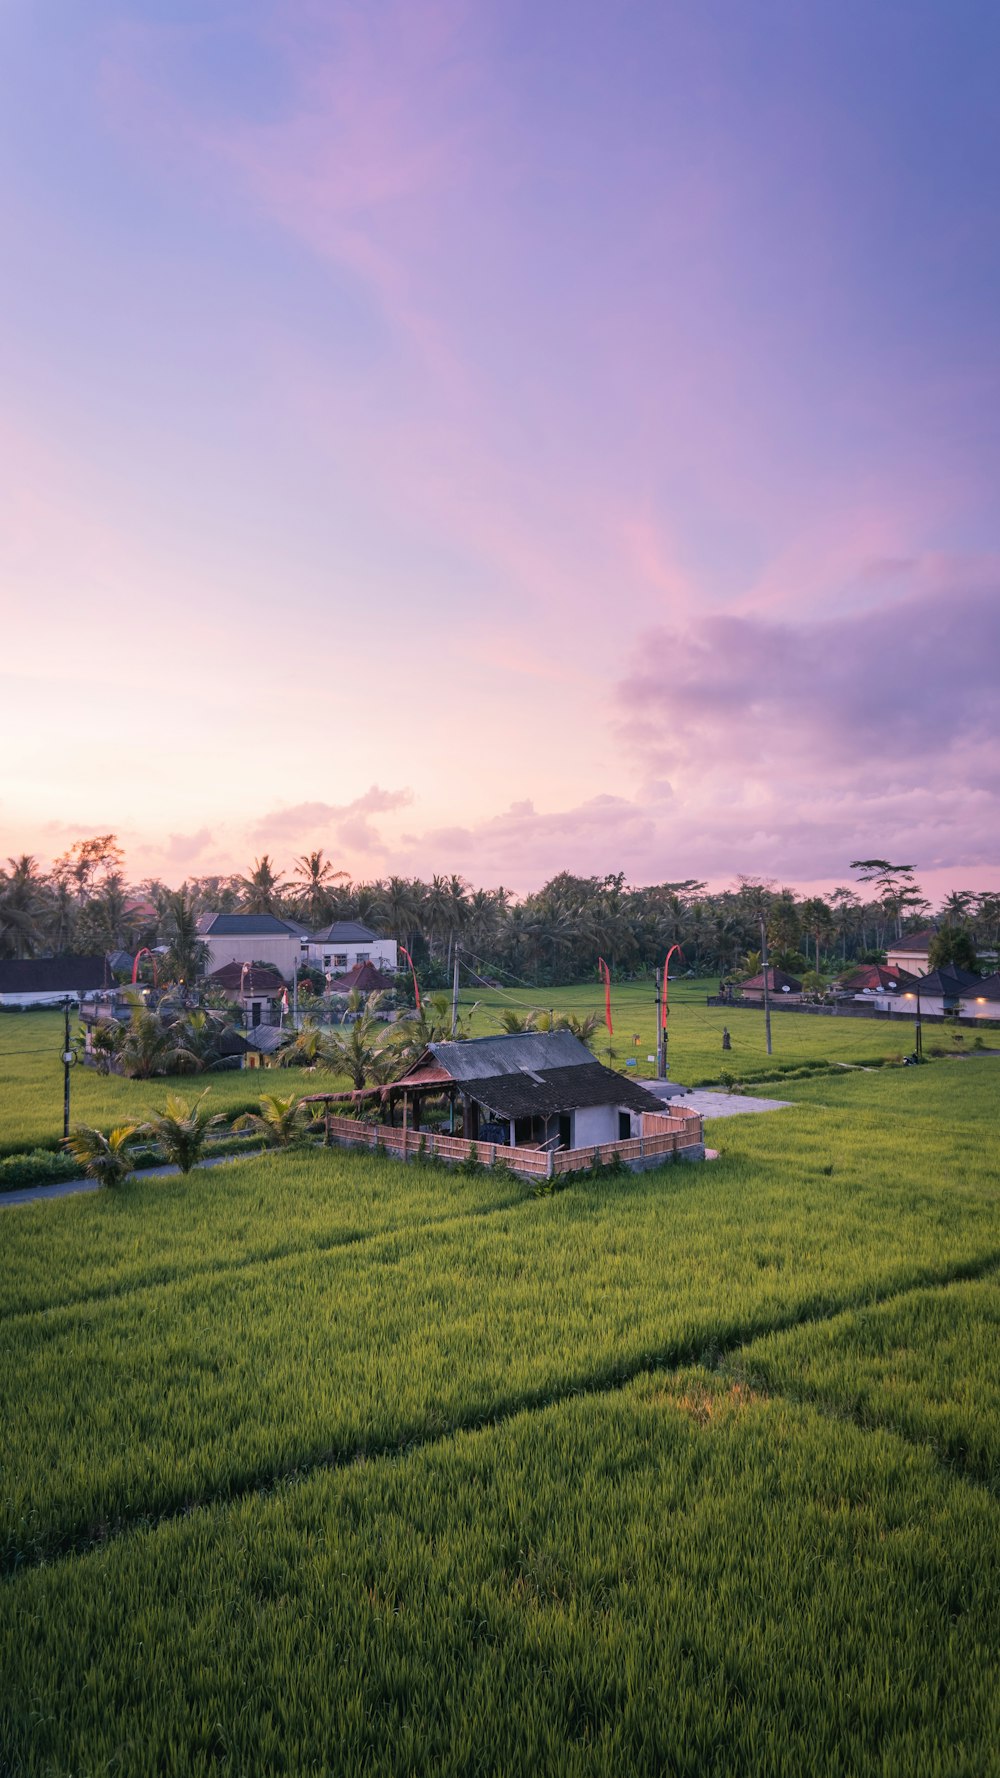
345, 932
364, 977
778, 983
259, 979
245, 926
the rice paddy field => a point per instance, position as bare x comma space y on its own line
31, 1045
316, 1463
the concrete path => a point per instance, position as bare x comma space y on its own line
66, 1188
709, 1104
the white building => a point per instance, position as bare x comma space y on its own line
340, 947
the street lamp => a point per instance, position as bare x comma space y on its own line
68, 1059
918, 1048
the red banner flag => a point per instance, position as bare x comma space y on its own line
606, 979
666, 979
416, 990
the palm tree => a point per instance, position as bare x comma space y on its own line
104, 1158
584, 1028
357, 1052
514, 1021
278, 1120
313, 895
187, 954
182, 1130
24, 904
149, 1047
262, 889
308, 1048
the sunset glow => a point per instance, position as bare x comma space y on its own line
500, 439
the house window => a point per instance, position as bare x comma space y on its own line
362, 956
326, 961
340, 960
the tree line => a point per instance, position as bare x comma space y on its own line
87, 903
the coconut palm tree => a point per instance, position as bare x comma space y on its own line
24, 904
149, 1047
278, 1120
514, 1021
262, 889
361, 1052
313, 894
104, 1158
187, 953
182, 1129
584, 1028
307, 1049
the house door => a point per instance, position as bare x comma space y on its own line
565, 1130
255, 1013
624, 1126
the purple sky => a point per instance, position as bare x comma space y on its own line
501, 438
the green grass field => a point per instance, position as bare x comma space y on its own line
31, 1044
319, 1463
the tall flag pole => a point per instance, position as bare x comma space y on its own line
605, 974
416, 990
666, 991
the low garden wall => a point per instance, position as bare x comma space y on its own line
673, 1137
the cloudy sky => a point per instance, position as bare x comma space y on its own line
498, 438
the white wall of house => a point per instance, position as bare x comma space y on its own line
283, 950
339, 958
594, 1124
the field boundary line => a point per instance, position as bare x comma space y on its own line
245, 1261
607, 1380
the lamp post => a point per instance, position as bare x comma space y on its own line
243, 997
918, 1044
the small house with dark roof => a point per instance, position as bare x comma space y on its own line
780, 985
48, 981
875, 982
255, 987
537, 1089
345, 945
945, 990
364, 978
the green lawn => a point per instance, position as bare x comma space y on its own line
322, 1463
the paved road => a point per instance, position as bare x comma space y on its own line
725, 1104
66, 1188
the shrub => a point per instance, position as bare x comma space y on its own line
39, 1167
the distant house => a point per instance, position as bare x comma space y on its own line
911, 952
779, 985
47, 981
364, 978
983, 1000
340, 948
256, 988
253, 938
945, 990
539, 1089
875, 982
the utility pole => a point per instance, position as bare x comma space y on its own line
68, 1058
661, 1047
454, 993
763, 965
295, 994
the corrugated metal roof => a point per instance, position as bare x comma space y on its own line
526, 1052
